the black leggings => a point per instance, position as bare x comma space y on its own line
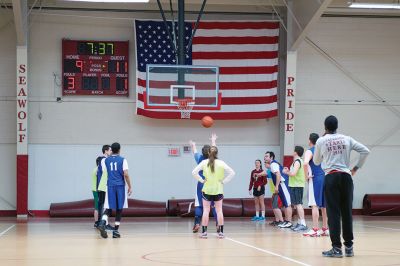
102, 198
118, 214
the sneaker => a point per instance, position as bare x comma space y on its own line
325, 232
294, 226
220, 235
333, 253
254, 218
110, 227
274, 223
203, 235
196, 228
314, 232
300, 227
261, 218
96, 224
102, 229
116, 234
281, 224
286, 224
348, 251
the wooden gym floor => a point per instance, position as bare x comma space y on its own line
169, 241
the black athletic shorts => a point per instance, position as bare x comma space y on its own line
296, 195
213, 197
257, 193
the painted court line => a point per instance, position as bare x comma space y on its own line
268, 252
380, 227
8, 229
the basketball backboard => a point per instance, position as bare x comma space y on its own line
171, 86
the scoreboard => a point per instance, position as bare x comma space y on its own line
95, 67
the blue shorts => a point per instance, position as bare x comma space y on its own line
316, 191
116, 197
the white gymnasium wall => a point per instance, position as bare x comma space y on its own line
368, 48
69, 135
8, 126
155, 175
65, 142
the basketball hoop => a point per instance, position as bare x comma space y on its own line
185, 106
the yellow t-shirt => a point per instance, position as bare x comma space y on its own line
213, 184
299, 179
214, 181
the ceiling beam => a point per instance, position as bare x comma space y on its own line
302, 15
20, 9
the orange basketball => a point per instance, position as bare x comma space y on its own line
207, 121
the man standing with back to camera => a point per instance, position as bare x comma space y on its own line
333, 151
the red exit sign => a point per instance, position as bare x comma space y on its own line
174, 151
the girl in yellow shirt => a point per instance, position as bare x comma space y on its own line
214, 173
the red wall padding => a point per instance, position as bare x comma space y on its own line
381, 204
249, 208
172, 205
84, 208
182, 209
230, 207
235, 207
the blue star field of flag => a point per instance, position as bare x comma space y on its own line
153, 45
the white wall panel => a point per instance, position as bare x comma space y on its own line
59, 173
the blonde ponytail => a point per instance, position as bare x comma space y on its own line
211, 158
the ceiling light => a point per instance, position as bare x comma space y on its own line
371, 5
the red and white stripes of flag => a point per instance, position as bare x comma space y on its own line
22, 131
290, 108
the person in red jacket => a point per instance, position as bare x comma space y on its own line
257, 184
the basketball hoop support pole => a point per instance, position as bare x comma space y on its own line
181, 46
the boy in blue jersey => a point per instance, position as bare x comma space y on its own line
198, 202
281, 189
117, 171
315, 177
101, 193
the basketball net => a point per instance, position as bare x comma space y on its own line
185, 106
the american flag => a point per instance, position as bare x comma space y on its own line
246, 53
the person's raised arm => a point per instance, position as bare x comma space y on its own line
193, 146
214, 139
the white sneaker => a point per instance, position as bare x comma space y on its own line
203, 235
286, 224
220, 235
313, 233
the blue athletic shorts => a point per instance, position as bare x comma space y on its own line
116, 197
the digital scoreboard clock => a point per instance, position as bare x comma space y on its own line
95, 67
